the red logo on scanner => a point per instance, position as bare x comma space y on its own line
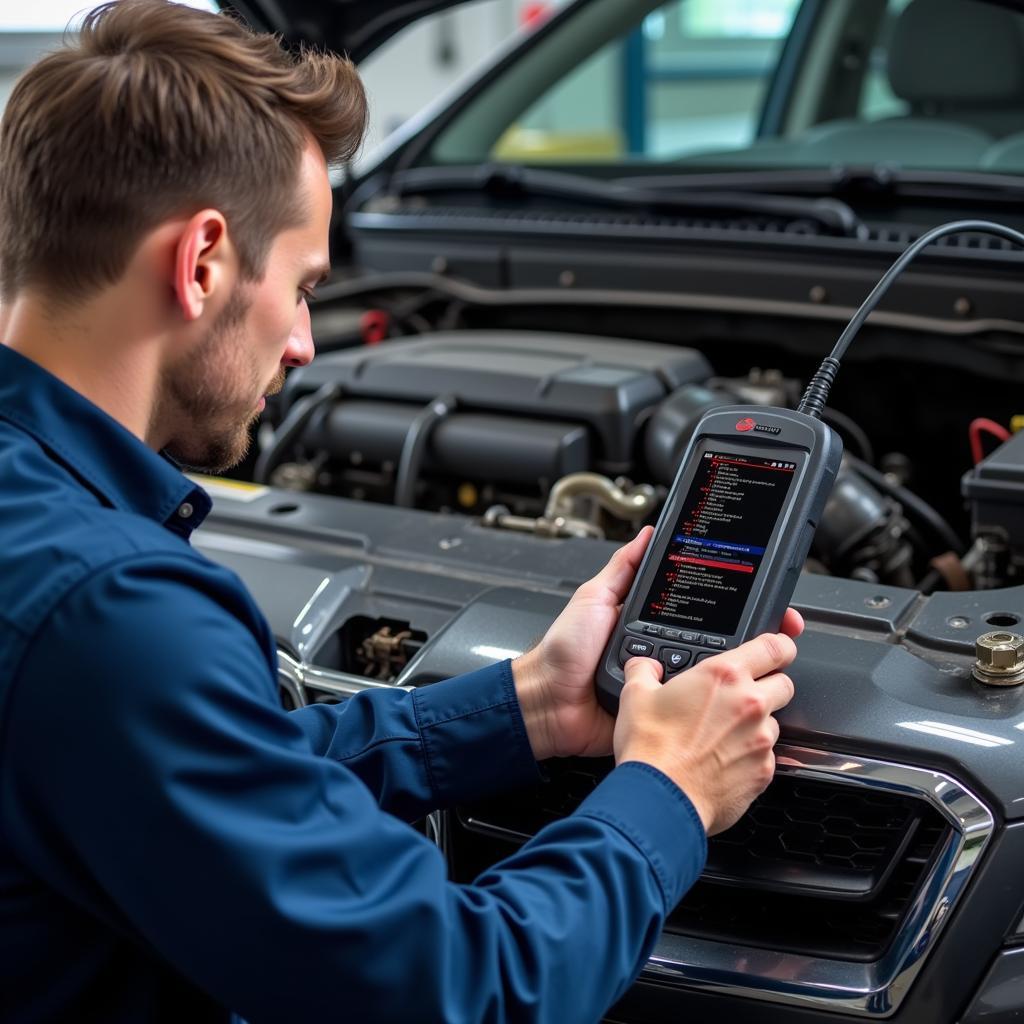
747, 424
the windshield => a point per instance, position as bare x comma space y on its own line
747, 84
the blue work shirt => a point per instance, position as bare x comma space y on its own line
176, 847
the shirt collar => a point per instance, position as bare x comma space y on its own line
105, 456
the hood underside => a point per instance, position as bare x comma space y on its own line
354, 27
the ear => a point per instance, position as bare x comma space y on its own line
203, 262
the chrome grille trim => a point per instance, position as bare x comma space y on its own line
301, 681
873, 990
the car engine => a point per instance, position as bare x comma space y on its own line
563, 435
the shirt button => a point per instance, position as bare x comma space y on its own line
185, 510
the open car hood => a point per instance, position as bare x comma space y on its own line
355, 27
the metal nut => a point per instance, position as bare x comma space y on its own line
1000, 658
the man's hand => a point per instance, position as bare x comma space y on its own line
711, 728
555, 681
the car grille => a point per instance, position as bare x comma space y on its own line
814, 868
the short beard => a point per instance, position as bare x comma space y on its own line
212, 435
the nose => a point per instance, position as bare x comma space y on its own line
300, 349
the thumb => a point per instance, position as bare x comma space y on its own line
643, 673
617, 575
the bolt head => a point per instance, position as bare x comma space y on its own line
1000, 650
999, 658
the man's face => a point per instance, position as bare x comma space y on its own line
214, 393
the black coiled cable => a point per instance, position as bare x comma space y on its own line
816, 395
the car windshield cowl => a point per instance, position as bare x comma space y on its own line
878, 180
509, 182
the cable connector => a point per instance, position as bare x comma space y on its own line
818, 388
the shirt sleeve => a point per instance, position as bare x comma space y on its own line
147, 779
450, 742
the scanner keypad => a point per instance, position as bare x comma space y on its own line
682, 650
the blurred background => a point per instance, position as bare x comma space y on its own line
402, 77
691, 75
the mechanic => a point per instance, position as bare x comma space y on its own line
173, 845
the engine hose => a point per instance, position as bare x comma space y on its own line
414, 449
291, 429
912, 505
853, 430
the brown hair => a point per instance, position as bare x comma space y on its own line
158, 110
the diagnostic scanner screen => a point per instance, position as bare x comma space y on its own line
719, 542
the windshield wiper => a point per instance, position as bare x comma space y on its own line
508, 182
878, 180
982, 186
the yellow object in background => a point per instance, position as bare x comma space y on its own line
531, 144
1016, 423
467, 495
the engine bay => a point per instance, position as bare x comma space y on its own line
563, 435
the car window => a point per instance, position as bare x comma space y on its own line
693, 73
752, 83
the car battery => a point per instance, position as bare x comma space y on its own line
994, 489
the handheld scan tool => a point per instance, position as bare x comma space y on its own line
730, 543
738, 523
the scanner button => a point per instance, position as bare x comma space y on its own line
672, 634
714, 641
690, 638
675, 659
654, 630
635, 647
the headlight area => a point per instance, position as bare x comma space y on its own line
1001, 996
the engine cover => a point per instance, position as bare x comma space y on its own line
604, 385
